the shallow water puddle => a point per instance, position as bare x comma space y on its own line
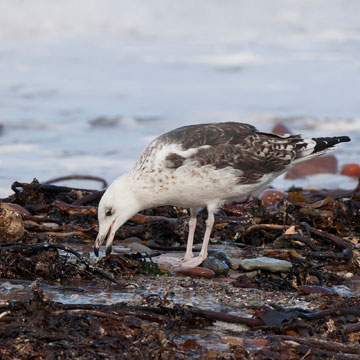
131, 295
208, 338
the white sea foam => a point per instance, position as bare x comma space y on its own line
17, 148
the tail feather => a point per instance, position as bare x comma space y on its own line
309, 148
324, 143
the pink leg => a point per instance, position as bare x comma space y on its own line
192, 226
209, 225
195, 261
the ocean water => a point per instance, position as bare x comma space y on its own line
86, 84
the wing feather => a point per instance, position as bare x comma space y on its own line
236, 145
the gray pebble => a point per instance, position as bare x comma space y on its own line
221, 256
217, 266
139, 248
266, 263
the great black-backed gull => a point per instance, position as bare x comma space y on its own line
200, 166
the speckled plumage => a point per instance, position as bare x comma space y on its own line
203, 166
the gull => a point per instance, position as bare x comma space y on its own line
202, 166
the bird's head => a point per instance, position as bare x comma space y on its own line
117, 205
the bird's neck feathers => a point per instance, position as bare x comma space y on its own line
123, 193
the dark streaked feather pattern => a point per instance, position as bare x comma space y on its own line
235, 145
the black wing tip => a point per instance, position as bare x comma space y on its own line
323, 143
344, 138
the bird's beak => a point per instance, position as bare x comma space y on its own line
110, 234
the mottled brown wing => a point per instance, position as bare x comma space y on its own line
194, 136
235, 145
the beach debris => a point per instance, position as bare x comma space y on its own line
352, 170
266, 263
221, 255
340, 290
15, 207
78, 177
270, 197
314, 232
11, 225
196, 272
218, 266
139, 248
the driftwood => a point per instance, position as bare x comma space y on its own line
78, 177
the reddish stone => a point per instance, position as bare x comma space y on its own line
257, 342
323, 165
280, 129
352, 170
270, 197
192, 344
196, 272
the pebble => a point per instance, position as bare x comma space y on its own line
15, 207
232, 340
266, 263
139, 248
11, 225
315, 289
323, 165
196, 272
270, 197
132, 239
352, 170
257, 342
221, 256
340, 290
218, 266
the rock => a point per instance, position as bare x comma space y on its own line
280, 129
352, 170
343, 290
196, 272
15, 207
315, 289
266, 263
221, 256
139, 248
217, 266
257, 342
192, 344
340, 290
322, 165
11, 225
232, 340
151, 243
132, 239
212, 354
270, 197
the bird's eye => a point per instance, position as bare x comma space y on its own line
108, 212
